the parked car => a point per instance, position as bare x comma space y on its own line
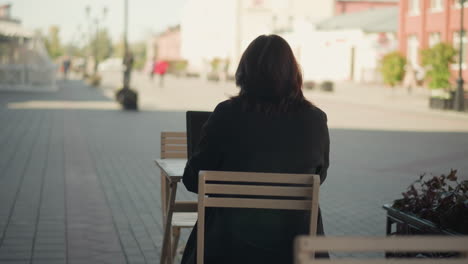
111, 64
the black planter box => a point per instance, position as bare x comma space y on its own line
408, 224
466, 102
127, 98
440, 103
327, 86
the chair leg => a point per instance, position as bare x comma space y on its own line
166, 251
166, 247
175, 240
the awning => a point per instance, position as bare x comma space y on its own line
12, 29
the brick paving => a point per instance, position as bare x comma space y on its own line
78, 184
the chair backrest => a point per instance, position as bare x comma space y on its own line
255, 190
173, 145
306, 246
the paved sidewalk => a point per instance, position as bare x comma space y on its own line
78, 184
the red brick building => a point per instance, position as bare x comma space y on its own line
351, 6
423, 23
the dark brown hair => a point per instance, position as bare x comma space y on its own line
269, 77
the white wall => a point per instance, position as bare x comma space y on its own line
207, 31
327, 55
224, 28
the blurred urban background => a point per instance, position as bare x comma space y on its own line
365, 42
77, 179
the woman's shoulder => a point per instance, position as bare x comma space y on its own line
316, 113
234, 105
225, 106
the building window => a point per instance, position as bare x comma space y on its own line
437, 5
456, 44
413, 50
434, 39
457, 3
414, 7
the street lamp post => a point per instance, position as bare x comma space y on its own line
127, 97
125, 26
94, 43
460, 94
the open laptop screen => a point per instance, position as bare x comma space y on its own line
195, 121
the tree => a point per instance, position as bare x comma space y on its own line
73, 50
393, 68
52, 43
139, 53
100, 46
118, 49
437, 60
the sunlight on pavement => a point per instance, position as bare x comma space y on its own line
348, 107
84, 105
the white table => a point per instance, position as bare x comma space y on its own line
171, 173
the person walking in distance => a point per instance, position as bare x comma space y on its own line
66, 67
161, 69
152, 67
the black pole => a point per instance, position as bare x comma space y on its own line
96, 47
127, 97
125, 26
460, 96
126, 81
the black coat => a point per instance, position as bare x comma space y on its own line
235, 140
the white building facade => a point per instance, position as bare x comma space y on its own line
347, 47
223, 29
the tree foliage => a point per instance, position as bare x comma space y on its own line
118, 48
437, 60
139, 52
393, 68
52, 42
100, 45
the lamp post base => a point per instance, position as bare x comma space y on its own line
460, 96
128, 98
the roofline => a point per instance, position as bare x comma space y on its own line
372, 1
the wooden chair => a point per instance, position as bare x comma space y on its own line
184, 213
173, 146
305, 247
303, 187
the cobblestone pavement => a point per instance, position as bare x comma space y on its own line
78, 184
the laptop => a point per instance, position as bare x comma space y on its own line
195, 121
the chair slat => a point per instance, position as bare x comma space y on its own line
259, 190
387, 261
175, 141
174, 134
184, 219
169, 148
258, 177
173, 155
185, 206
258, 203
375, 244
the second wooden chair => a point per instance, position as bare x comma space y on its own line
183, 213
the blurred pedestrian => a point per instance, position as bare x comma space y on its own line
161, 69
152, 68
66, 67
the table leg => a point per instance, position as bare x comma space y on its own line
166, 252
175, 241
165, 193
389, 226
